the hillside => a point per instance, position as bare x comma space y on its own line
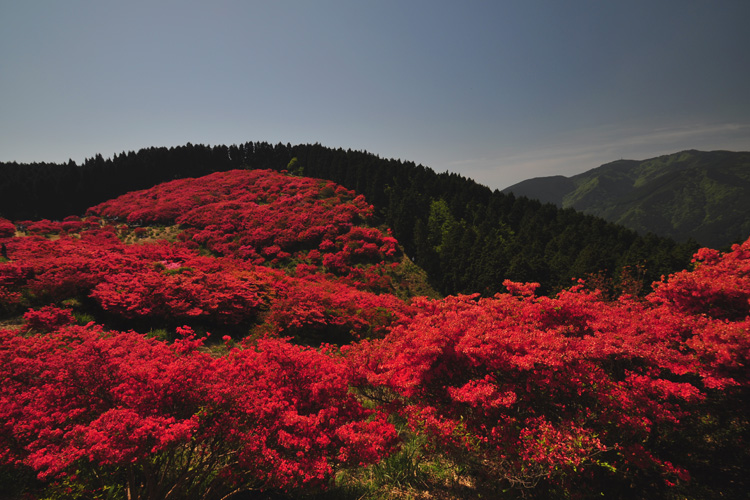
692, 194
467, 237
256, 334
293, 256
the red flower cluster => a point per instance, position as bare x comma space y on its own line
264, 217
172, 282
7, 228
171, 418
719, 286
565, 388
47, 318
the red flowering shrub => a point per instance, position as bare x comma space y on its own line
72, 224
43, 226
572, 391
52, 270
47, 318
171, 283
323, 309
155, 418
716, 296
264, 217
306, 418
184, 287
49, 271
9, 300
7, 228
719, 286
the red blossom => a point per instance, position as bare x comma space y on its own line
7, 228
269, 415
47, 318
544, 386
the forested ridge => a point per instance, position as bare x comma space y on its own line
703, 195
466, 236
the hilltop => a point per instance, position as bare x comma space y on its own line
704, 196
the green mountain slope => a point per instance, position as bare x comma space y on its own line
692, 194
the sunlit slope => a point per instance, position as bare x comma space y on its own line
692, 194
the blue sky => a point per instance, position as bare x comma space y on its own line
499, 91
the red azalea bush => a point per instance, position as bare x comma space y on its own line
73, 224
532, 388
7, 228
312, 306
719, 286
716, 295
171, 283
52, 270
570, 393
184, 286
47, 318
116, 408
43, 226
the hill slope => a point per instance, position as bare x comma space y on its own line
293, 256
692, 194
467, 237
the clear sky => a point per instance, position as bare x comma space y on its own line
499, 91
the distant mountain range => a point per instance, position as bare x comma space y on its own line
692, 194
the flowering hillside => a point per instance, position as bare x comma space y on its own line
331, 374
263, 217
252, 249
